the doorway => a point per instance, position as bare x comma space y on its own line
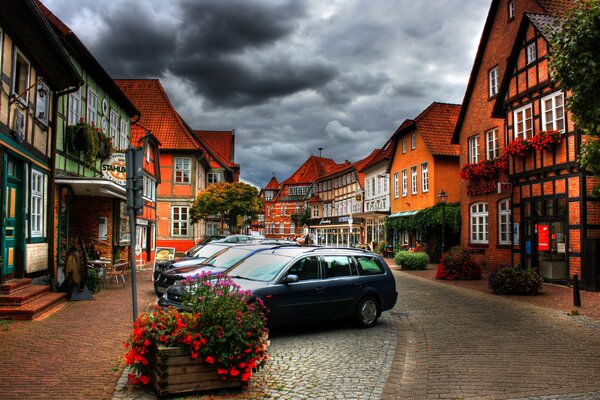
13, 244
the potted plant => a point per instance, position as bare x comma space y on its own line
83, 137
220, 341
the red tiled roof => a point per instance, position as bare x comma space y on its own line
557, 8
312, 169
213, 145
436, 126
273, 184
158, 114
222, 141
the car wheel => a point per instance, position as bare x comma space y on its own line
367, 312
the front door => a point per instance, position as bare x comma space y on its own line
12, 248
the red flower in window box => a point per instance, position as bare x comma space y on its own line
519, 147
545, 140
485, 169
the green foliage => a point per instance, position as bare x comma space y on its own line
515, 280
457, 264
589, 155
575, 63
84, 138
302, 217
93, 280
228, 200
411, 261
429, 220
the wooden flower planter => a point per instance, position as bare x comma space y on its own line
173, 371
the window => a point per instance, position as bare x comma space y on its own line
114, 119
396, 184
523, 122
179, 221
74, 107
292, 228
124, 138
373, 187
183, 170
338, 266
403, 145
315, 212
531, 53
282, 209
92, 107
37, 204
413, 141
493, 76
553, 112
424, 177
491, 142
479, 223
413, 180
41, 103
504, 231
213, 177
404, 183
21, 69
474, 149
281, 228
306, 269
149, 189
511, 10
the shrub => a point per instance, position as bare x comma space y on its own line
457, 264
411, 261
515, 280
93, 280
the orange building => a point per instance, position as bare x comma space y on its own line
146, 223
265, 195
189, 161
423, 162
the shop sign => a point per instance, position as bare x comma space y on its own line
543, 238
482, 188
325, 222
164, 254
113, 169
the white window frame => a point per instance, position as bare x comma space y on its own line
493, 81
473, 149
531, 52
511, 9
184, 180
149, 188
424, 177
124, 136
404, 183
36, 218
42, 104
491, 142
404, 145
281, 228
91, 107
74, 107
554, 123
520, 122
179, 222
413, 141
210, 177
414, 181
478, 223
504, 213
114, 119
396, 193
25, 99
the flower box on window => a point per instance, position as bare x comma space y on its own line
544, 140
485, 169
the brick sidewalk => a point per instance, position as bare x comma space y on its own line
555, 297
75, 352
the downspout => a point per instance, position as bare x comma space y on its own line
52, 193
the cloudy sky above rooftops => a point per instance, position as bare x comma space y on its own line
289, 76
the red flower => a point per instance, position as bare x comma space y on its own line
210, 359
234, 372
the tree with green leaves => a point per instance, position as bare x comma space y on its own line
227, 200
575, 64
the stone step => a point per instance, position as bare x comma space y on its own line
14, 285
33, 308
23, 295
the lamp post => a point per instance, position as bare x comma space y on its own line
442, 198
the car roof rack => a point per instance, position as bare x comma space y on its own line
323, 248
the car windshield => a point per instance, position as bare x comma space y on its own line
229, 257
209, 251
259, 267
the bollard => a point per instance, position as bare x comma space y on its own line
576, 297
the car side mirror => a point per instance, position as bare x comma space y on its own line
291, 279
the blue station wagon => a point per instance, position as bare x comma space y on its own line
312, 283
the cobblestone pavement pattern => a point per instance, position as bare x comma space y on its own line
461, 344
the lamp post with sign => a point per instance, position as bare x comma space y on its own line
442, 198
134, 159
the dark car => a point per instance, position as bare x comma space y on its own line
223, 259
305, 284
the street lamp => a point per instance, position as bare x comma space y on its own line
442, 198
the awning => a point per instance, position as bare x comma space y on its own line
404, 214
94, 187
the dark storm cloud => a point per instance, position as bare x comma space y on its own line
344, 89
217, 26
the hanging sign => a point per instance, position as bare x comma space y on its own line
543, 237
113, 169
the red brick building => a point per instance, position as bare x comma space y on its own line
265, 195
551, 204
487, 227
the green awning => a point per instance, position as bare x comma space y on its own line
403, 214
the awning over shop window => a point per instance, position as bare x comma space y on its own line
94, 187
404, 214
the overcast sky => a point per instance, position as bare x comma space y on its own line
289, 76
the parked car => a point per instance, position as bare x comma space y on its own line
196, 258
194, 249
217, 263
302, 284
236, 239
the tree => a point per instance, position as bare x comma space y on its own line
575, 64
228, 200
